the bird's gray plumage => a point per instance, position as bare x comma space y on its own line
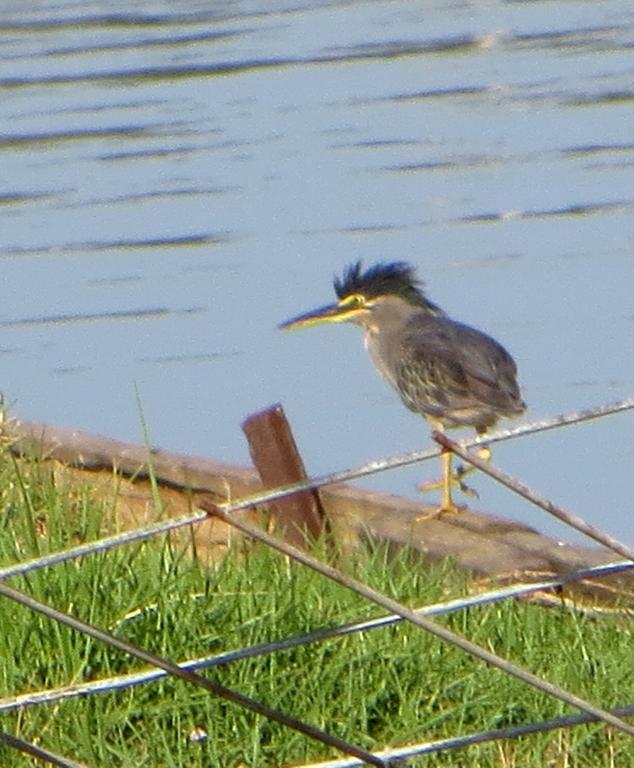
456, 374
449, 373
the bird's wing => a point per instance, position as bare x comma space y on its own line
450, 365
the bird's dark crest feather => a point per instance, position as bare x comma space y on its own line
396, 278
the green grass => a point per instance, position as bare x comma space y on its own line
389, 686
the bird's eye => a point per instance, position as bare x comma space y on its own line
353, 300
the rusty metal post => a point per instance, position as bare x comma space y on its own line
275, 456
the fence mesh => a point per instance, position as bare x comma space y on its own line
421, 617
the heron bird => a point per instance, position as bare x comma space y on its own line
449, 373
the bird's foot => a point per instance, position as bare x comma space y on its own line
443, 509
456, 480
451, 479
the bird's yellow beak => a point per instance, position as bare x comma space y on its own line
331, 313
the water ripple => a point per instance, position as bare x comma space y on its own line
150, 313
122, 244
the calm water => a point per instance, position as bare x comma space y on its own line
175, 181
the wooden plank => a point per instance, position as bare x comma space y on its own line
486, 545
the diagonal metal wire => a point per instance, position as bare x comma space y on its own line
406, 613
39, 752
121, 682
380, 465
574, 521
190, 676
101, 545
456, 742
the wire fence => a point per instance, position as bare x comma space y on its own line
189, 671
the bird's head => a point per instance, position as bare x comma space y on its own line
362, 293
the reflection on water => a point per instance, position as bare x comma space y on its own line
175, 182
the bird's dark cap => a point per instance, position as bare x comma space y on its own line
396, 278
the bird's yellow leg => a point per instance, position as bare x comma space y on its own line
447, 480
453, 478
484, 452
